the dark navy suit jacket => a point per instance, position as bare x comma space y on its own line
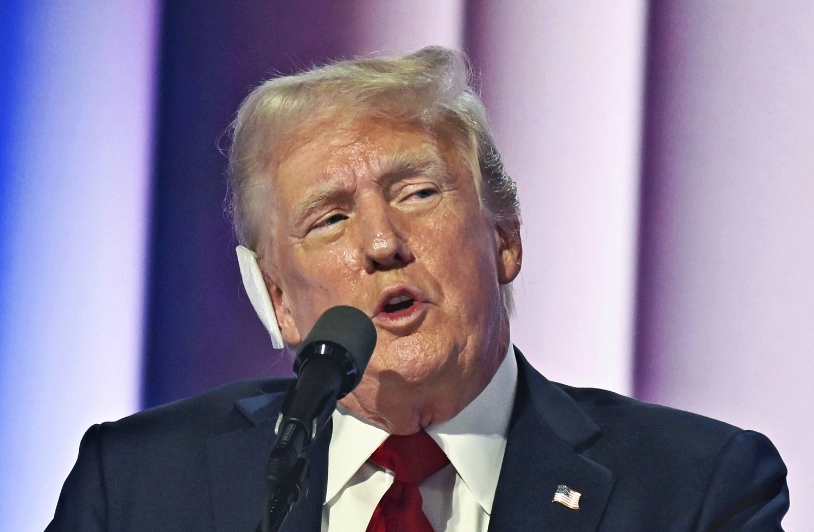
197, 465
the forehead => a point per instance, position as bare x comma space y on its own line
332, 153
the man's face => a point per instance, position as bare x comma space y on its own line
383, 217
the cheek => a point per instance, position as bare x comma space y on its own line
458, 249
320, 280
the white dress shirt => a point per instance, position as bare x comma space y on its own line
459, 497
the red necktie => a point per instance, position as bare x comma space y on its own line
413, 459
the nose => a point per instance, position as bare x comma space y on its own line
384, 243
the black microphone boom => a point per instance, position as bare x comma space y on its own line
329, 365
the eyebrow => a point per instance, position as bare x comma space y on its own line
315, 201
403, 165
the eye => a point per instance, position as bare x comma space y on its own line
334, 219
418, 195
425, 193
329, 222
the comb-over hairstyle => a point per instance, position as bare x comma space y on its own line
429, 89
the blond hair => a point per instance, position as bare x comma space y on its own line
429, 88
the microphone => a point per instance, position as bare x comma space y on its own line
330, 363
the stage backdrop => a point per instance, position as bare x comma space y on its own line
664, 154
77, 94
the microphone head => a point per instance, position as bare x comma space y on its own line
349, 328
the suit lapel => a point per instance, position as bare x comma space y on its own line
547, 432
237, 461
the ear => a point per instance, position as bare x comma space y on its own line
258, 293
282, 311
509, 252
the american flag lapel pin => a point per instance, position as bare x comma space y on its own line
567, 497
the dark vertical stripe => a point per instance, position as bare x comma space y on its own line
656, 72
200, 329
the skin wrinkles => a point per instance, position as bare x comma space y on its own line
360, 209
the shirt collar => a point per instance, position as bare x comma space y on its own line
353, 440
474, 440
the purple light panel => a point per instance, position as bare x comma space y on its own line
562, 83
402, 26
75, 206
726, 311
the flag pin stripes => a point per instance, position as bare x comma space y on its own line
567, 497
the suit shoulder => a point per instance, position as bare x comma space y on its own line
637, 423
202, 414
711, 472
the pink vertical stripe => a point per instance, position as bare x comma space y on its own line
562, 83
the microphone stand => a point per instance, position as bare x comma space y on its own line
279, 498
287, 468
329, 365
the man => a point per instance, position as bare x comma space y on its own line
375, 183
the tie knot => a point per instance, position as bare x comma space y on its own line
413, 459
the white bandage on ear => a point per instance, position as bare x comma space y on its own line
259, 294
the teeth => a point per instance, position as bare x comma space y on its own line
398, 299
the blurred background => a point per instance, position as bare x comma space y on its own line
664, 153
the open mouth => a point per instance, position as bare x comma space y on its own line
398, 304
400, 309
